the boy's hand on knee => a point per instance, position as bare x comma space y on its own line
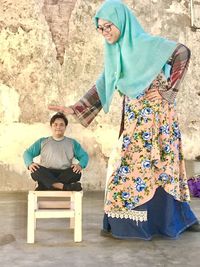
76, 168
33, 167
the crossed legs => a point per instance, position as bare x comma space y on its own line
49, 179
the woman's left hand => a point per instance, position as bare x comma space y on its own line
152, 95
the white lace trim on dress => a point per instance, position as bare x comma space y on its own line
138, 216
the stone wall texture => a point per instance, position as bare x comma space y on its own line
51, 53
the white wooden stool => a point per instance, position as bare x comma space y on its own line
46, 204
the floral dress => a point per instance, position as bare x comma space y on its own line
146, 188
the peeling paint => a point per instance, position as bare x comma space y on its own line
9, 98
57, 14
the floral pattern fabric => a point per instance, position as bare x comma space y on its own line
150, 156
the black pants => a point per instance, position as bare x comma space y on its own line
46, 177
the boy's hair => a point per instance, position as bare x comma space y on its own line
59, 115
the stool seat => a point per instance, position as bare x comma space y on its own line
50, 204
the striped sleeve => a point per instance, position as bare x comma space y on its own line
87, 108
179, 62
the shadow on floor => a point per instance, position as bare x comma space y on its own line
55, 247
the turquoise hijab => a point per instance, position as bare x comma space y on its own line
134, 61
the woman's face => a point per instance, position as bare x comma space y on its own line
109, 31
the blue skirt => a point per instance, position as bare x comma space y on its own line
166, 217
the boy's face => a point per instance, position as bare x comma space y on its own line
58, 128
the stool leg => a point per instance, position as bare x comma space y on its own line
35, 208
72, 222
78, 217
31, 219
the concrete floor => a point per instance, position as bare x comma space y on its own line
55, 247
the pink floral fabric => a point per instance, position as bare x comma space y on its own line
150, 156
149, 152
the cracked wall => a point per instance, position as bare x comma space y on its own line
51, 53
57, 14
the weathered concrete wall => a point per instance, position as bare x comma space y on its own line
51, 53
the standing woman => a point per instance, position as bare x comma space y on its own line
146, 190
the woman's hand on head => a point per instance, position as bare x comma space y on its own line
63, 109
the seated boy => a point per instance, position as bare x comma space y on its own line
56, 171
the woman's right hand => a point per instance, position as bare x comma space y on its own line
63, 109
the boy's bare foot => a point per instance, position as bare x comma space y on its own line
58, 186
